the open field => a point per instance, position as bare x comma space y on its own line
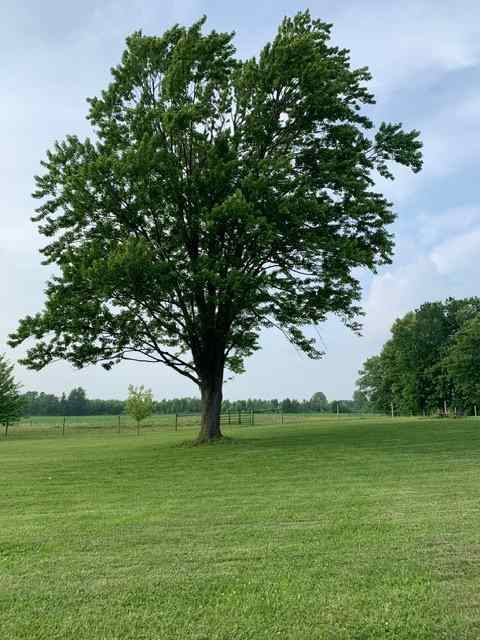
335, 529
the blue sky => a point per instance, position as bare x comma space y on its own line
425, 59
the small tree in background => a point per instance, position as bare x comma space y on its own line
319, 401
10, 402
139, 403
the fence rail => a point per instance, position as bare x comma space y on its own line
225, 418
55, 426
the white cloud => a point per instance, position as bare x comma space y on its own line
396, 292
437, 228
449, 268
458, 254
410, 40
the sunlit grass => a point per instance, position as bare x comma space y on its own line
328, 529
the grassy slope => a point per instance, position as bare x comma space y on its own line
343, 529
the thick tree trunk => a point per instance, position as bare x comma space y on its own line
211, 407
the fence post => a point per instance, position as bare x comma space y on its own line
6, 429
228, 413
282, 417
63, 426
253, 417
239, 416
176, 422
475, 411
118, 425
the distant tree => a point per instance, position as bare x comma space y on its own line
11, 404
342, 406
463, 363
413, 370
374, 382
139, 404
295, 405
218, 197
360, 401
40, 404
77, 404
28, 400
319, 402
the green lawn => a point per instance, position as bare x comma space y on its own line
330, 529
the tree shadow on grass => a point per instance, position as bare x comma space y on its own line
413, 437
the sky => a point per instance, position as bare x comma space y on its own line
425, 60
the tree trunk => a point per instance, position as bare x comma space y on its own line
211, 406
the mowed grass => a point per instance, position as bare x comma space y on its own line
331, 529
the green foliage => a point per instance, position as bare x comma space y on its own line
360, 401
140, 403
430, 359
463, 362
319, 401
76, 403
218, 197
10, 400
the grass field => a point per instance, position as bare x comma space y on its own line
335, 529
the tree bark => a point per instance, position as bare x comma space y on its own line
211, 407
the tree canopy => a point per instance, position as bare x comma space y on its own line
10, 400
463, 362
319, 401
431, 359
217, 198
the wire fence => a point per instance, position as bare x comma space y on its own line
55, 426
62, 426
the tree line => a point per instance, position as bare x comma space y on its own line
76, 403
431, 363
